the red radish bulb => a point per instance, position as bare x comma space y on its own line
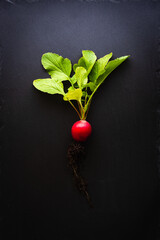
81, 130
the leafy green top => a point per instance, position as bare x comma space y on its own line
89, 74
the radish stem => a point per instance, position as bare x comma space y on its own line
75, 108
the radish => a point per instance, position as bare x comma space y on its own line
81, 130
89, 73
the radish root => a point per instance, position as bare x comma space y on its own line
76, 152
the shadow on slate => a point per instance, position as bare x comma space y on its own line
38, 196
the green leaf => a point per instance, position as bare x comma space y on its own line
99, 67
49, 85
87, 61
71, 88
81, 77
110, 67
58, 67
81, 63
91, 85
73, 79
73, 94
75, 66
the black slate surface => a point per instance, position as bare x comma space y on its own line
38, 196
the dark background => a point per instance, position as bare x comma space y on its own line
38, 197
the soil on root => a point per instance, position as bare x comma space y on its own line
75, 155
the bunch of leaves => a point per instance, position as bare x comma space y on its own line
89, 74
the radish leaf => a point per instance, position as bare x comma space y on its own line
49, 85
73, 79
99, 67
110, 67
89, 75
57, 67
87, 61
91, 85
73, 94
81, 77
